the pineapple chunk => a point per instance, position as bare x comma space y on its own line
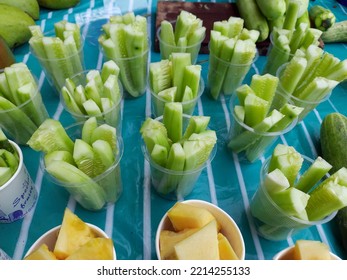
226, 252
98, 248
311, 250
41, 253
72, 235
168, 239
201, 245
184, 216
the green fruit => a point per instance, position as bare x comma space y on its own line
31, 7
57, 4
14, 25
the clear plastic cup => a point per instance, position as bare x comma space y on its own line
225, 77
275, 57
248, 142
107, 187
282, 97
18, 195
271, 221
158, 103
133, 72
166, 49
172, 184
58, 69
112, 116
20, 122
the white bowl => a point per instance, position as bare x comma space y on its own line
287, 254
228, 227
50, 237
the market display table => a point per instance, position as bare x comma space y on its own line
226, 182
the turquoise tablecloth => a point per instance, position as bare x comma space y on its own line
133, 220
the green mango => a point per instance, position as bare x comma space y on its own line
57, 4
31, 7
14, 25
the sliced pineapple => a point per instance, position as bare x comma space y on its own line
72, 235
98, 248
41, 253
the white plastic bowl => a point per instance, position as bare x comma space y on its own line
50, 237
228, 227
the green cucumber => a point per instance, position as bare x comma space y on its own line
88, 129
322, 18
173, 120
159, 155
275, 181
103, 156
336, 33
107, 133
89, 194
83, 156
272, 9
198, 148
317, 170
333, 135
256, 109
176, 158
5, 143
253, 17
179, 62
291, 200
58, 155
50, 136
5, 175
196, 124
160, 75
109, 68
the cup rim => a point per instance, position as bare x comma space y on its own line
251, 129
200, 92
175, 172
119, 155
300, 221
207, 205
77, 115
282, 91
174, 46
40, 241
228, 64
51, 33
19, 167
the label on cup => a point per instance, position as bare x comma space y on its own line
17, 197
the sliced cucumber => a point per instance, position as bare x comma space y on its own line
83, 156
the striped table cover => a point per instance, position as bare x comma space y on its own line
226, 182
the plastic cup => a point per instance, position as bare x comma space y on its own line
166, 49
248, 142
112, 116
224, 77
108, 185
158, 103
172, 184
133, 73
227, 224
282, 97
20, 122
275, 57
58, 69
50, 238
18, 195
271, 221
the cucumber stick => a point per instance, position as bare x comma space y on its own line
125, 42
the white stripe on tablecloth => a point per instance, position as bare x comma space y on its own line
147, 248
210, 177
242, 185
23, 235
254, 234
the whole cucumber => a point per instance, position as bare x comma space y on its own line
333, 140
272, 9
335, 34
254, 19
